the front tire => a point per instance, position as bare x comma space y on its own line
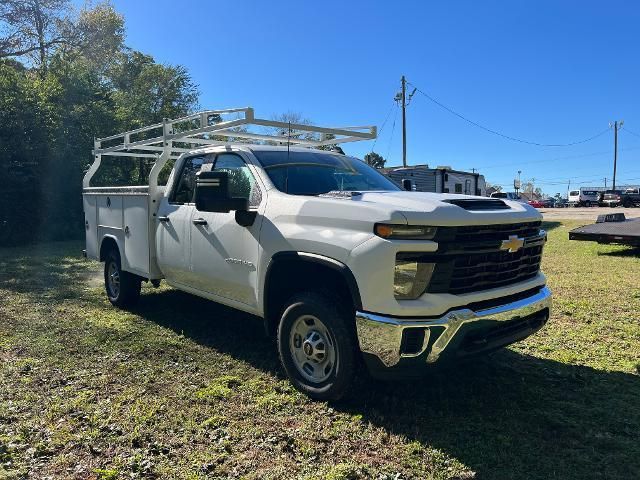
316, 346
123, 288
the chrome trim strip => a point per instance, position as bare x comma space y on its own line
381, 335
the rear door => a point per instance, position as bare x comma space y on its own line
174, 223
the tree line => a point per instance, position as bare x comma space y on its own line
66, 76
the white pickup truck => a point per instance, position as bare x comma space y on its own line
344, 267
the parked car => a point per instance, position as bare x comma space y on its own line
537, 203
611, 198
561, 203
630, 198
339, 262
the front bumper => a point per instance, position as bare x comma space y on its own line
461, 331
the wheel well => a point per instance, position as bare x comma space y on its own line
294, 274
108, 244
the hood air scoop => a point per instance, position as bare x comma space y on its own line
477, 205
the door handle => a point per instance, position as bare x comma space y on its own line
163, 219
199, 221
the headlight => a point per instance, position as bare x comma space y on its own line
404, 232
410, 278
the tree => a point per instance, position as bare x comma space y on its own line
40, 29
375, 160
32, 27
71, 79
146, 92
497, 188
293, 118
23, 143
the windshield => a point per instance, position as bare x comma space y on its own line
315, 173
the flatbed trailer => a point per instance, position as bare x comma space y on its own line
613, 230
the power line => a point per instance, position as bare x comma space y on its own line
625, 129
393, 104
508, 137
393, 129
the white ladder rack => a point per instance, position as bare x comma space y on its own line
195, 131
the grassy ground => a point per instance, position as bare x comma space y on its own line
183, 388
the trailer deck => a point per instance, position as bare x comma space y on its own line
625, 232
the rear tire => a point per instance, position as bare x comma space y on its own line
316, 346
123, 288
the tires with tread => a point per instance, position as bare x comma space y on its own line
123, 288
317, 345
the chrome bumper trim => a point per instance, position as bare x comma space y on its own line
381, 336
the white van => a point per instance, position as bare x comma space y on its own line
587, 197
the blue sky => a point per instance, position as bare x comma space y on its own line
545, 71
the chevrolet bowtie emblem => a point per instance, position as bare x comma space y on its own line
514, 244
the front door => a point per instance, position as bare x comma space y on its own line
224, 255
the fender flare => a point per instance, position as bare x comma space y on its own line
109, 237
295, 256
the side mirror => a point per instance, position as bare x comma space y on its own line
407, 184
212, 194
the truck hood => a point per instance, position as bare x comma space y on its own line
422, 208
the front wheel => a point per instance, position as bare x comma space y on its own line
123, 288
316, 346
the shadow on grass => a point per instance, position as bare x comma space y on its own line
623, 252
505, 416
549, 225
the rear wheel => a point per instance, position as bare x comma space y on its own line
123, 288
317, 348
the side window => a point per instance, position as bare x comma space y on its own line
186, 184
458, 188
242, 184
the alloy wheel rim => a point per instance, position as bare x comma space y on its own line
312, 348
113, 279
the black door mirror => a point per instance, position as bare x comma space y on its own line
212, 194
407, 184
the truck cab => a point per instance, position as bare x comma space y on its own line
344, 267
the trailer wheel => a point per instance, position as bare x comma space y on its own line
123, 288
316, 346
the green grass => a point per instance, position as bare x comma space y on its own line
183, 388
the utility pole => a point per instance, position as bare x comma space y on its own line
616, 126
605, 183
404, 122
